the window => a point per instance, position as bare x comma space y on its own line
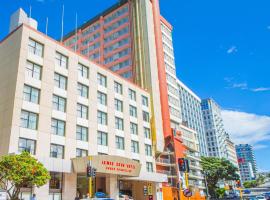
58, 127
133, 128
134, 146
81, 153
149, 167
148, 150
102, 98
132, 111
102, 80
144, 101
83, 71
61, 60
102, 138
82, 90
59, 103
118, 88
27, 145
102, 118
119, 123
82, 133
29, 120
82, 111
55, 183
118, 105
31, 94
33, 70
35, 47
147, 133
57, 151
60, 81
120, 142
146, 116
132, 94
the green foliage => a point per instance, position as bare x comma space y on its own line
220, 192
260, 179
17, 171
216, 169
255, 183
250, 184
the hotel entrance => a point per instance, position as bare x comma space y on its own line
117, 178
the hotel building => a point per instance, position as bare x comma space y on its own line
58, 105
132, 39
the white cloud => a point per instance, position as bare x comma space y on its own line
260, 146
260, 89
247, 127
232, 49
242, 86
232, 84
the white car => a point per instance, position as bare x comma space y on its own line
260, 198
3, 195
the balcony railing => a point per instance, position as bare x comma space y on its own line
168, 173
165, 161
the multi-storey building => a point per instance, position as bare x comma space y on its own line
192, 114
195, 176
214, 129
247, 162
132, 39
58, 105
231, 152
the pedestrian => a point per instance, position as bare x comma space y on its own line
77, 197
34, 197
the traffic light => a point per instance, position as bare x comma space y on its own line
89, 171
94, 170
238, 183
182, 164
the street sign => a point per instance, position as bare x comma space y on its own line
187, 193
150, 189
145, 191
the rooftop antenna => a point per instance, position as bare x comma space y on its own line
76, 29
30, 11
47, 23
62, 29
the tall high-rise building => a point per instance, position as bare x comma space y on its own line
192, 114
247, 161
214, 129
132, 39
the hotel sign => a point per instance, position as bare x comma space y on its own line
109, 165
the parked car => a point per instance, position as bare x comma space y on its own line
260, 198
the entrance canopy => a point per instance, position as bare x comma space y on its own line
108, 164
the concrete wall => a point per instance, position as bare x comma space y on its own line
9, 54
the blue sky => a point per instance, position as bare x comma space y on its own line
222, 50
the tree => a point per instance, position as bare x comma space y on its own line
18, 171
250, 184
215, 170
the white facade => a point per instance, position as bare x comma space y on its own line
19, 17
192, 114
174, 104
214, 128
196, 177
58, 105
